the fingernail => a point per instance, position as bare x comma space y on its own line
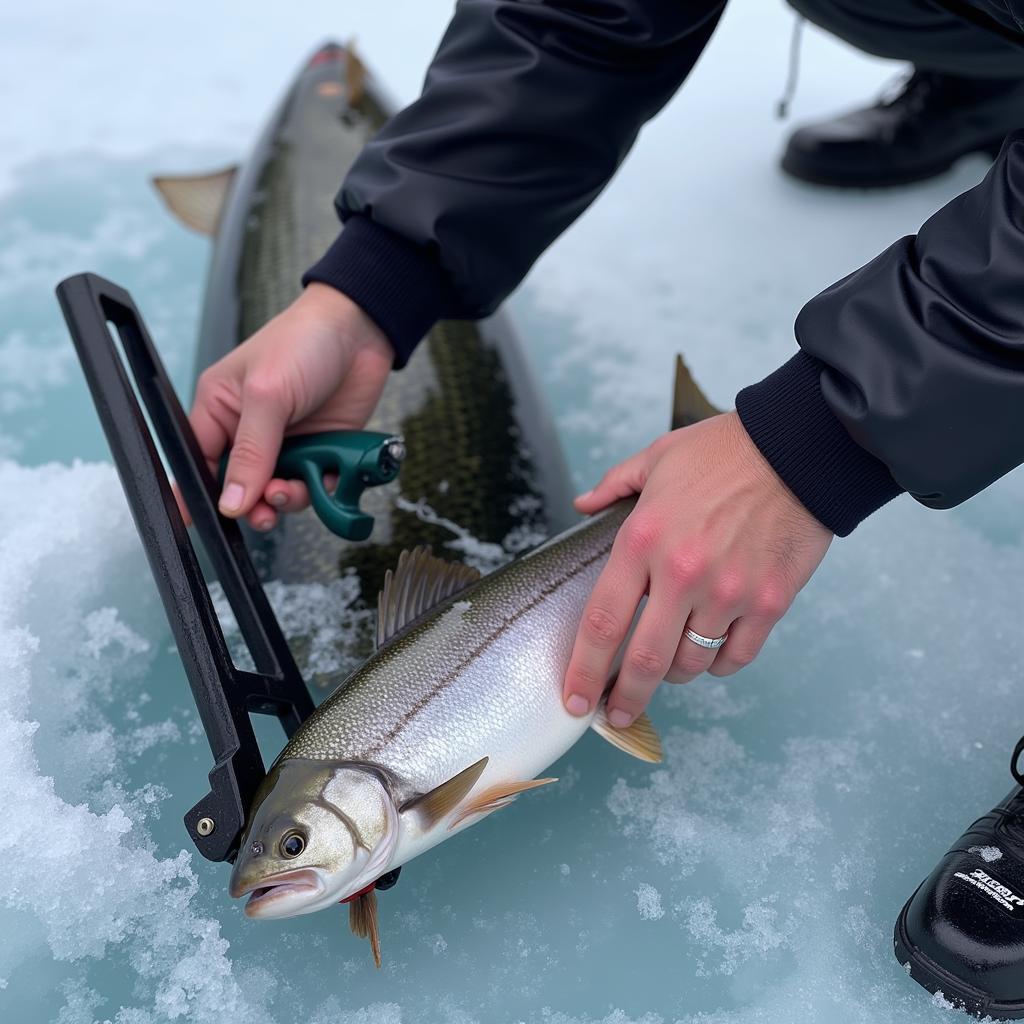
619, 718
577, 705
583, 497
278, 499
232, 498
265, 525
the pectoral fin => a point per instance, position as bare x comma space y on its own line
362, 919
197, 200
493, 798
432, 807
639, 739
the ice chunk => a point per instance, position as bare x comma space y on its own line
987, 853
648, 902
321, 621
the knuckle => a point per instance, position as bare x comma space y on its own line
743, 657
205, 384
601, 626
245, 453
212, 389
689, 663
675, 676
646, 662
639, 535
743, 654
727, 591
261, 388
771, 601
585, 678
686, 568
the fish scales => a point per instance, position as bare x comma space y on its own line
482, 451
454, 716
479, 676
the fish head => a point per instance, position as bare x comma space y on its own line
318, 832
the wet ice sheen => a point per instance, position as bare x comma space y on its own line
753, 877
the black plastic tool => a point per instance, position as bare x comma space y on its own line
224, 694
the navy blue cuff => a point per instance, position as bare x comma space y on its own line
788, 419
399, 286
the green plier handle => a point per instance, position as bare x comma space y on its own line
359, 458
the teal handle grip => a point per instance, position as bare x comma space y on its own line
360, 458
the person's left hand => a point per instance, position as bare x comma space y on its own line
717, 542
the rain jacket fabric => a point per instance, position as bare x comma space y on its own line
911, 370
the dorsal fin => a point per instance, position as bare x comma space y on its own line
418, 583
689, 403
197, 200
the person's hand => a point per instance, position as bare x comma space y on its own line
319, 365
719, 544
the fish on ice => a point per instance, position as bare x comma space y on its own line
457, 712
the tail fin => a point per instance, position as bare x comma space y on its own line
355, 75
689, 404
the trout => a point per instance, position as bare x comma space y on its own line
457, 712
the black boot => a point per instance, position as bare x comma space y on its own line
922, 130
962, 932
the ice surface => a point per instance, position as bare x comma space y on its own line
85, 871
754, 877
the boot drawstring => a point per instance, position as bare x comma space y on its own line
793, 76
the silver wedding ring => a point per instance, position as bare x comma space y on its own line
709, 643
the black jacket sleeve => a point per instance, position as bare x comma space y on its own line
527, 111
911, 374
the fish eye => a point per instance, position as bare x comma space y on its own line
293, 844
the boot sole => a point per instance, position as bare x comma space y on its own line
796, 169
935, 978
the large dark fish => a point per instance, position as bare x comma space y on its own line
485, 469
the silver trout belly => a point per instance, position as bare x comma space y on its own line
480, 677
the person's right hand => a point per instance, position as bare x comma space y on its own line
319, 365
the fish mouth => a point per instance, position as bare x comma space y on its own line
282, 895
329, 53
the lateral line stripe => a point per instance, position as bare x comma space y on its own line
488, 641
